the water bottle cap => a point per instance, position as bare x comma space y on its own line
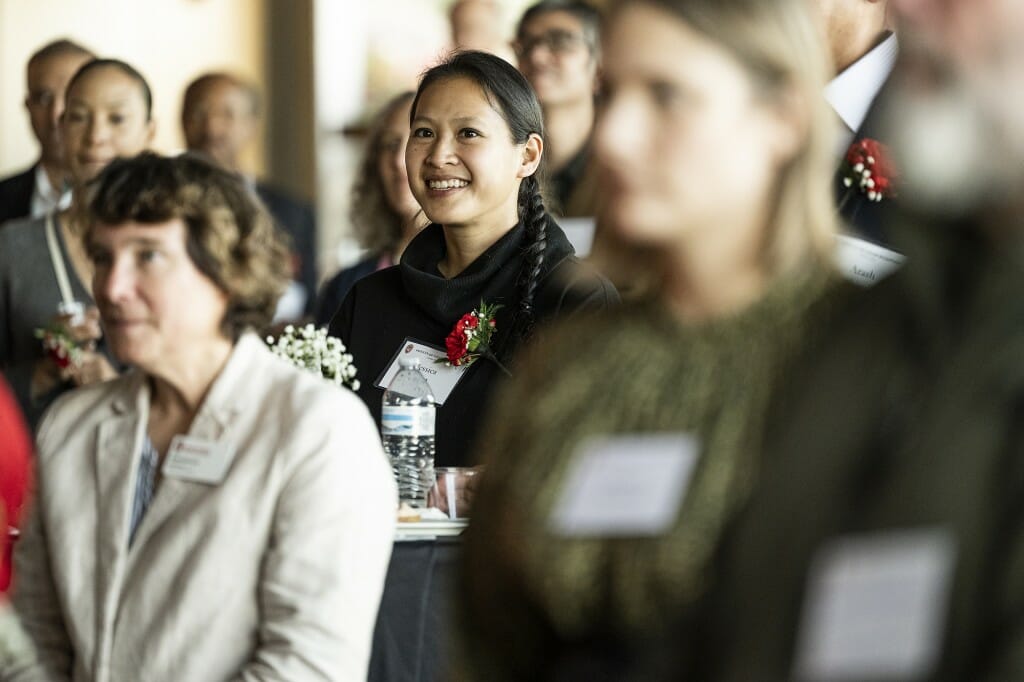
409, 362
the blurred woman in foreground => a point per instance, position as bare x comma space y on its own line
180, 533
610, 483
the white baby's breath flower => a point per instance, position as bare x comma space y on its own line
312, 349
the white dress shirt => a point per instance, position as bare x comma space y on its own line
46, 197
852, 92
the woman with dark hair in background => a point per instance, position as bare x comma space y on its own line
473, 156
385, 215
44, 272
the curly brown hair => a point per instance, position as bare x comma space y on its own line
229, 235
376, 225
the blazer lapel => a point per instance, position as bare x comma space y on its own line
212, 423
119, 442
173, 494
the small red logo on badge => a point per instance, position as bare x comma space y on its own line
408, 349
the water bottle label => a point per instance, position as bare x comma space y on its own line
407, 421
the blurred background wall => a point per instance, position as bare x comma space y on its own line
169, 41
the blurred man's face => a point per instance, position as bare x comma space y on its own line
554, 56
955, 111
219, 121
47, 80
476, 25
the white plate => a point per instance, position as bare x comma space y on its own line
424, 530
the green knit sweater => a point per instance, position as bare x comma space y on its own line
631, 370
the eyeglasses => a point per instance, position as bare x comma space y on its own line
557, 42
41, 98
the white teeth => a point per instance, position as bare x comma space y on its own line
446, 184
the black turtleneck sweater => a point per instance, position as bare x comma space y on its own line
413, 299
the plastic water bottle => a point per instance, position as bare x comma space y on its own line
407, 430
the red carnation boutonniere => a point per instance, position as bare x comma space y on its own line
470, 339
868, 168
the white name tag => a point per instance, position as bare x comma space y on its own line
440, 376
197, 460
580, 233
625, 485
876, 607
865, 263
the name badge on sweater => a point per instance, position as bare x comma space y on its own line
865, 263
875, 606
626, 485
441, 377
198, 460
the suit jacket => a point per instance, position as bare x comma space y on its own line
573, 191
16, 195
296, 219
906, 416
275, 573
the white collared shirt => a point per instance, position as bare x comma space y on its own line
852, 92
45, 197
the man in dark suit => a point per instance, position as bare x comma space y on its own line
557, 46
885, 536
863, 51
219, 117
42, 187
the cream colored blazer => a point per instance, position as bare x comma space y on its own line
274, 574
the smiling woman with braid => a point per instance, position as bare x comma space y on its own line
473, 157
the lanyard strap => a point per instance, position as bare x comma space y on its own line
59, 269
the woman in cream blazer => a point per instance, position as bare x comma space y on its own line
258, 549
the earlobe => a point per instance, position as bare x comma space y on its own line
533, 151
151, 132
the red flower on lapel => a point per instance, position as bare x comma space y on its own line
471, 336
868, 168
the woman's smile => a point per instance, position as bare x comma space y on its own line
463, 168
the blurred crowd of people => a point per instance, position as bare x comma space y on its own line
772, 427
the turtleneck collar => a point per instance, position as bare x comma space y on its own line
492, 277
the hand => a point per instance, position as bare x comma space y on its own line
94, 367
86, 331
46, 376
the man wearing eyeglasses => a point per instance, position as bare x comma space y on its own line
557, 49
42, 188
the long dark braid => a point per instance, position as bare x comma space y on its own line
535, 219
